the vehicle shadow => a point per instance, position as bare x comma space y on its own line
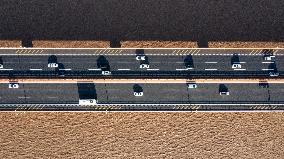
161, 20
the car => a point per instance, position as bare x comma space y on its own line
224, 93
236, 66
13, 85
1, 66
52, 65
144, 65
140, 57
269, 58
138, 94
273, 74
191, 85
106, 73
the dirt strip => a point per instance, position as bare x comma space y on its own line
140, 44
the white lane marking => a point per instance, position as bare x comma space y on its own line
66, 69
242, 62
7, 69
24, 97
268, 62
240, 69
182, 69
152, 69
94, 69
179, 62
210, 69
52, 97
211, 62
35, 69
267, 69
123, 69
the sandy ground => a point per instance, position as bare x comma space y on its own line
142, 135
142, 44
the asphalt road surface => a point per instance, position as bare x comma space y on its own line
152, 93
124, 62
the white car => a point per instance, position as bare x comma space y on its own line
140, 58
138, 94
269, 58
191, 85
273, 74
1, 66
144, 65
13, 85
106, 73
224, 93
236, 66
52, 65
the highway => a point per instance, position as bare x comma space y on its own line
154, 93
122, 63
164, 63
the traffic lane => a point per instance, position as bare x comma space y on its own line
224, 63
164, 93
276, 92
153, 93
51, 93
164, 63
39, 93
237, 92
12, 95
23, 62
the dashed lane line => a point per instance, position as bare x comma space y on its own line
123, 69
210, 69
268, 62
7, 69
211, 62
153, 69
36, 69
240, 69
94, 69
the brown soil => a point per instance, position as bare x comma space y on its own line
240, 44
158, 44
141, 135
10, 43
70, 44
142, 44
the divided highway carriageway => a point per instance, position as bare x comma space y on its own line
261, 65
137, 63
